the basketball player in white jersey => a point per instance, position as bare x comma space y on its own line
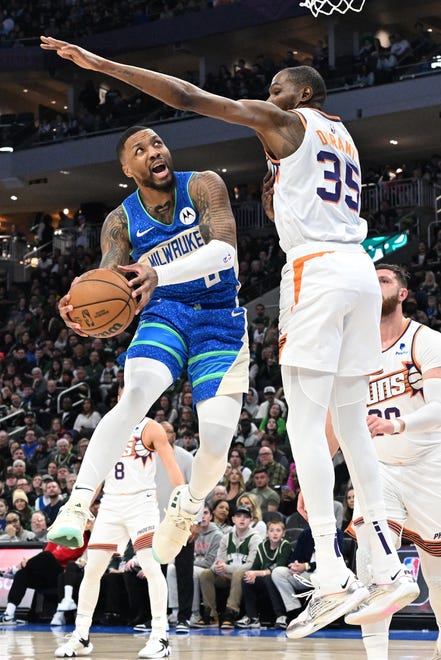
329, 308
128, 510
404, 418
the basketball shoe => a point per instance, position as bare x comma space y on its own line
384, 600
68, 527
323, 609
174, 530
74, 646
155, 648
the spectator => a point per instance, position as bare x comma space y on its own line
63, 454
252, 502
269, 500
236, 458
20, 503
275, 471
221, 512
236, 554
272, 552
14, 530
53, 493
269, 394
39, 526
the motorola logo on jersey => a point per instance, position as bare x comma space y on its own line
187, 216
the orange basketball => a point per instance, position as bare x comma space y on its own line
102, 303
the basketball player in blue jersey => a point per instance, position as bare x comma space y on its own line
180, 229
329, 322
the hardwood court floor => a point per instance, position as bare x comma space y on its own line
37, 642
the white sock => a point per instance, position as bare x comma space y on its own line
376, 639
10, 610
68, 591
190, 503
82, 626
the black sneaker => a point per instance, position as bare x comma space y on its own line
228, 619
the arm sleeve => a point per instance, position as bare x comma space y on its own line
428, 417
213, 257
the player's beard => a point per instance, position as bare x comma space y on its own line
389, 305
166, 186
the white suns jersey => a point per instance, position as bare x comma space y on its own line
317, 188
399, 391
136, 469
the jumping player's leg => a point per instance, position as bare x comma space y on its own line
218, 418
308, 394
145, 380
348, 409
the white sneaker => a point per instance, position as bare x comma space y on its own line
281, 622
174, 530
384, 600
68, 527
324, 609
195, 618
155, 648
67, 605
58, 619
74, 646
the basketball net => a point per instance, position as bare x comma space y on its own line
329, 6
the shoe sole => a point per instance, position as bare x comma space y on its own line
161, 654
299, 631
380, 610
77, 654
67, 538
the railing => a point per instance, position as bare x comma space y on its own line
16, 431
30, 259
436, 224
68, 238
399, 193
12, 248
75, 404
250, 215
13, 415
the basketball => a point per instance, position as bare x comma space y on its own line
102, 303
151, 431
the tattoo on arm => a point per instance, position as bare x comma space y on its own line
216, 220
115, 244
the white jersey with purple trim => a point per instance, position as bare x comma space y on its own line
317, 188
136, 469
399, 391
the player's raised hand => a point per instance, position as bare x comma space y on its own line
79, 56
143, 284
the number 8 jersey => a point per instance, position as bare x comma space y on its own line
317, 188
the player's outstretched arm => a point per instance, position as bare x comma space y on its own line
180, 94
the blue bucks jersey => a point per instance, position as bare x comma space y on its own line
158, 244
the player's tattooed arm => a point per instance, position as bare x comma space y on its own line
210, 196
115, 243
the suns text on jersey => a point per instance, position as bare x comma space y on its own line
388, 387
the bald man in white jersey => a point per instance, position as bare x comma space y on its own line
329, 307
404, 418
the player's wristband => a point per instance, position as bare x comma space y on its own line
397, 426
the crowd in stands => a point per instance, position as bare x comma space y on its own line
22, 22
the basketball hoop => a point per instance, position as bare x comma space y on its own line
328, 7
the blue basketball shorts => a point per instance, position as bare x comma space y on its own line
211, 343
